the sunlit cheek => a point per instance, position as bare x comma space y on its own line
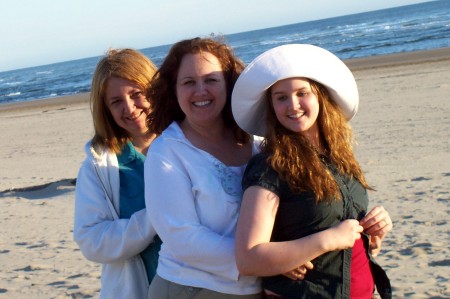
142, 101
182, 93
146, 107
278, 113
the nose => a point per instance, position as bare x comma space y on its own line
200, 88
129, 105
294, 102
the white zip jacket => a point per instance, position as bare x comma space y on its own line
195, 202
105, 238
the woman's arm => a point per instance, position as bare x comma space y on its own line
256, 255
100, 237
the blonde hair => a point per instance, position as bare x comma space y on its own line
121, 63
297, 161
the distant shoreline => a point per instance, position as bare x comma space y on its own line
355, 64
415, 57
78, 98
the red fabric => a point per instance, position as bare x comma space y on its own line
361, 279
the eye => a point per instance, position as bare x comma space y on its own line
187, 82
138, 94
114, 102
302, 94
280, 97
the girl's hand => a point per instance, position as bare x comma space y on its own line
347, 232
375, 245
377, 223
300, 272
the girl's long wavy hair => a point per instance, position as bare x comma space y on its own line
163, 97
298, 162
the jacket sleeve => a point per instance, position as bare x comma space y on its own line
168, 191
100, 237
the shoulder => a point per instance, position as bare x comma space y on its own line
257, 167
170, 136
172, 132
258, 161
99, 155
260, 173
94, 151
171, 140
169, 148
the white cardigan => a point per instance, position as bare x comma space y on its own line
102, 236
195, 202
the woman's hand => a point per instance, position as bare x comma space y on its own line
375, 245
300, 272
346, 233
377, 223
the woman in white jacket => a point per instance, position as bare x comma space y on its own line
111, 226
193, 172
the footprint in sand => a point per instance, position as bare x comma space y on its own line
35, 267
418, 250
443, 263
56, 283
75, 276
420, 178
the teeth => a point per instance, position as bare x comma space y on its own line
298, 115
134, 116
202, 103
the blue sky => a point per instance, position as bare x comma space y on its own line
38, 32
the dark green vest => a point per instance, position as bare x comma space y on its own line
299, 215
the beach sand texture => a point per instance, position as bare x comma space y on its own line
403, 134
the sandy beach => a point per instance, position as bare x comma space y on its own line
403, 134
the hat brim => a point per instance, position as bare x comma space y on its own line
290, 61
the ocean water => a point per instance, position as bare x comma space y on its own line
404, 29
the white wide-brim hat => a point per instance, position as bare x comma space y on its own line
290, 61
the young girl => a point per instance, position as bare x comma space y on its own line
305, 195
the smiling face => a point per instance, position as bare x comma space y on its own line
296, 106
201, 88
128, 105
